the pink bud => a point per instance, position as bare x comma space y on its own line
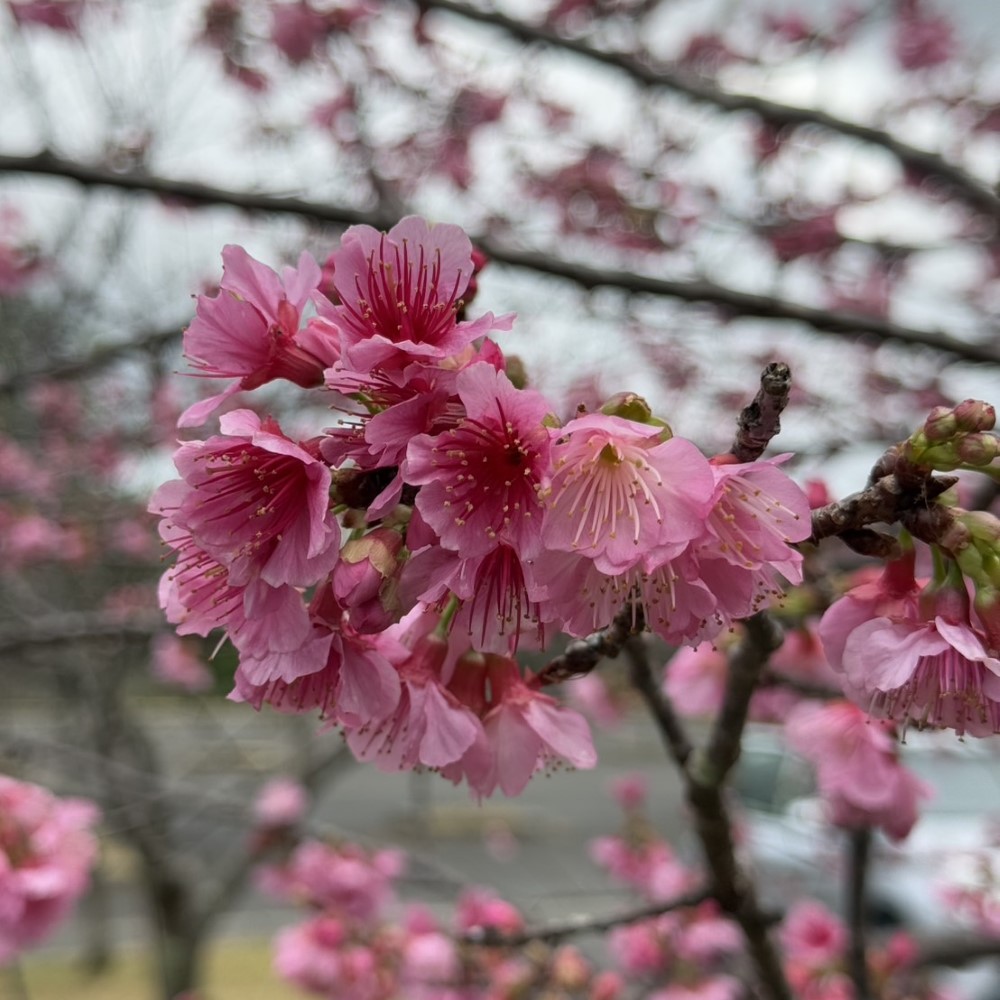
977, 449
975, 415
630, 791
940, 424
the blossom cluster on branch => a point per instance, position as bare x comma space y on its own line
385, 571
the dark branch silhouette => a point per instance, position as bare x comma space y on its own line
730, 301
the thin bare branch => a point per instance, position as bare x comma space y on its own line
582, 655
731, 301
95, 360
924, 162
859, 844
671, 728
760, 420
583, 924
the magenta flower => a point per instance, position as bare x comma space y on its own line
250, 330
858, 771
400, 293
47, 849
480, 479
258, 503
617, 491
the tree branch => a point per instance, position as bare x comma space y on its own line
94, 360
582, 655
582, 924
760, 420
969, 189
705, 773
660, 706
859, 850
731, 301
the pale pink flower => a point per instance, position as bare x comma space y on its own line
308, 955
344, 881
931, 672
528, 730
250, 330
258, 503
400, 293
695, 679
47, 849
281, 802
430, 958
480, 479
174, 662
483, 909
893, 595
756, 515
429, 726
858, 771
617, 491
640, 949
572, 591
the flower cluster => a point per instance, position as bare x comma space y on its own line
386, 571
354, 947
815, 946
47, 849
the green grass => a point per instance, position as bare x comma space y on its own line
238, 970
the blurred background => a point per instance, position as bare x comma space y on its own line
669, 194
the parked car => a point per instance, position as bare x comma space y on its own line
795, 853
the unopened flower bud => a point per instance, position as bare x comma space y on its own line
977, 449
632, 406
362, 576
940, 424
973, 415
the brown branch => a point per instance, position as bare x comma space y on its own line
967, 188
859, 851
760, 420
660, 706
95, 360
582, 924
704, 773
582, 655
731, 301
886, 501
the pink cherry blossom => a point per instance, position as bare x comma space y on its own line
281, 802
618, 491
480, 908
934, 672
527, 730
47, 849
250, 330
174, 662
859, 774
480, 479
812, 935
893, 594
429, 726
400, 292
258, 503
